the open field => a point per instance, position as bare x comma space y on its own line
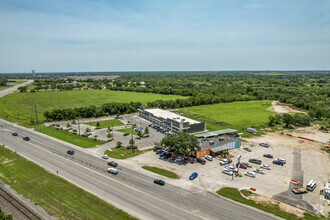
122, 153
54, 194
106, 123
80, 141
23, 103
163, 172
236, 115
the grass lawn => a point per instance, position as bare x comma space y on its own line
23, 103
122, 153
106, 123
236, 115
127, 130
163, 172
275, 209
80, 141
56, 195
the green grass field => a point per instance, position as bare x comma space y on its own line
236, 115
275, 209
56, 195
80, 141
163, 172
122, 153
106, 123
23, 103
127, 130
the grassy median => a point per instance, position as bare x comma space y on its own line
56, 195
160, 171
122, 153
232, 193
106, 123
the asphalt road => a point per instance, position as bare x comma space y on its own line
12, 89
130, 191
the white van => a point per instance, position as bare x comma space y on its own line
311, 185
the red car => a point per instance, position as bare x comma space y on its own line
185, 160
174, 156
192, 160
113, 164
241, 165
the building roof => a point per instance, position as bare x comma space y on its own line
214, 133
167, 114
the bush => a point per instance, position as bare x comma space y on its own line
130, 147
74, 122
68, 125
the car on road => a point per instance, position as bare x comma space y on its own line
282, 160
241, 165
192, 160
247, 164
250, 174
225, 162
208, 157
278, 162
193, 176
268, 155
26, 138
71, 152
14, 134
257, 170
256, 161
112, 163
265, 166
112, 170
159, 182
263, 144
247, 149
201, 161
125, 134
298, 190
227, 171
105, 156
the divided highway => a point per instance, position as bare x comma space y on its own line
130, 190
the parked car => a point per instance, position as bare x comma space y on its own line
268, 155
298, 190
14, 134
263, 144
186, 160
225, 162
112, 170
125, 134
247, 164
174, 156
167, 155
159, 151
282, 160
192, 160
26, 138
222, 139
265, 166
256, 161
113, 164
201, 161
257, 170
247, 149
105, 156
162, 154
71, 152
278, 162
179, 159
231, 168
241, 165
193, 176
250, 174
208, 157
159, 182
227, 171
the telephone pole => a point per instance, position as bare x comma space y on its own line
35, 109
79, 126
132, 138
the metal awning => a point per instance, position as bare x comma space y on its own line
214, 133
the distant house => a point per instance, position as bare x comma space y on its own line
142, 84
76, 89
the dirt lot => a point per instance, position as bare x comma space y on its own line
282, 108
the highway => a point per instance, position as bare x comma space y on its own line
130, 191
12, 89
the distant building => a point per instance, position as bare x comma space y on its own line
171, 121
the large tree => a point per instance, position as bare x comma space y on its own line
181, 143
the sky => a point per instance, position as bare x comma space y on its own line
164, 35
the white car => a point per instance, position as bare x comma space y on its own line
225, 161
265, 166
250, 174
257, 170
264, 144
282, 160
112, 170
231, 168
208, 157
227, 171
105, 156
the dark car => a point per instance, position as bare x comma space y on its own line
126, 134
256, 161
167, 155
71, 152
247, 149
247, 164
26, 138
159, 151
113, 164
159, 182
14, 134
268, 155
278, 162
201, 161
193, 176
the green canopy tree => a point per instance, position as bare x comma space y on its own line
181, 143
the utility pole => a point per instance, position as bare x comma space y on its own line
34, 120
79, 126
19, 121
35, 109
132, 138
